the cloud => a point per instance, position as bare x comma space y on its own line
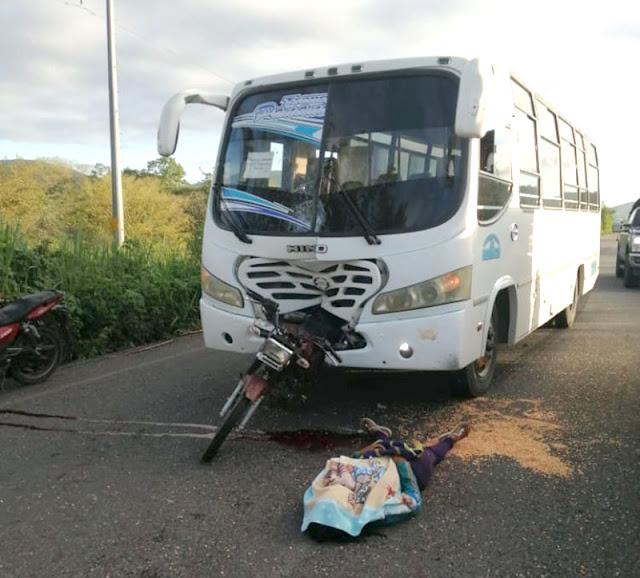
53, 74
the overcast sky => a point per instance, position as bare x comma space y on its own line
580, 55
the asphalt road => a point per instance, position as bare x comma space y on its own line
100, 472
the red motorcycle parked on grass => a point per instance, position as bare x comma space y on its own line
33, 336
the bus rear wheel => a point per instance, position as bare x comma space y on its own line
565, 318
475, 379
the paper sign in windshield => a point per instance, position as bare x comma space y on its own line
258, 165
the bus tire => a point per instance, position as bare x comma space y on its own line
566, 317
475, 379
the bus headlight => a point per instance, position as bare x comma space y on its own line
454, 286
220, 290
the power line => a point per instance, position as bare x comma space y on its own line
174, 52
81, 6
156, 44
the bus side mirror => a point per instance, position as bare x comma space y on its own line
170, 118
476, 85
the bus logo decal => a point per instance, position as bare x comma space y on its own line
321, 284
306, 248
491, 248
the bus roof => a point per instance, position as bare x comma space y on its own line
451, 63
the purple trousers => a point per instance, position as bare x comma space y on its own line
431, 456
422, 466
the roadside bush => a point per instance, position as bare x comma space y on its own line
116, 298
130, 296
12, 245
55, 234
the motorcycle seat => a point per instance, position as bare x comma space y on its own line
17, 310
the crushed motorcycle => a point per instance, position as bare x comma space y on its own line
288, 360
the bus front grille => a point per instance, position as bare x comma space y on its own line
340, 287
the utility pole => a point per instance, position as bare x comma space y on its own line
117, 219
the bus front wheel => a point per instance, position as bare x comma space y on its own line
475, 379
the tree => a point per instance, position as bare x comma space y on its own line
170, 172
137, 173
606, 219
52, 202
99, 170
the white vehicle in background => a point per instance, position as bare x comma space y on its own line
431, 207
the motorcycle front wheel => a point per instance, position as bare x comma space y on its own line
232, 418
36, 363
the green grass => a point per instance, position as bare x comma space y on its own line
116, 298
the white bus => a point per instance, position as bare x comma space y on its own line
435, 206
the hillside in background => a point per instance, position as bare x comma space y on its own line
55, 233
622, 211
51, 201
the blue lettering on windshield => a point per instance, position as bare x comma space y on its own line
293, 106
299, 116
491, 248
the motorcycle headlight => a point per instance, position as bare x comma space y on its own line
275, 354
220, 290
454, 286
277, 351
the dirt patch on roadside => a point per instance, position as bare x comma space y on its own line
517, 429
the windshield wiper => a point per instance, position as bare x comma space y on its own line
235, 222
369, 231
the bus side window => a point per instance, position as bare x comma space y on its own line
593, 184
527, 147
549, 149
487, 149
494, 187
495, 153
582, 175
529, 179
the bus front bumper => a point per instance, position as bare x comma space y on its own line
440, 342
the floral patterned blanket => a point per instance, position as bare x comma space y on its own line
350, 493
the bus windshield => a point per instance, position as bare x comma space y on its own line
334, 158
